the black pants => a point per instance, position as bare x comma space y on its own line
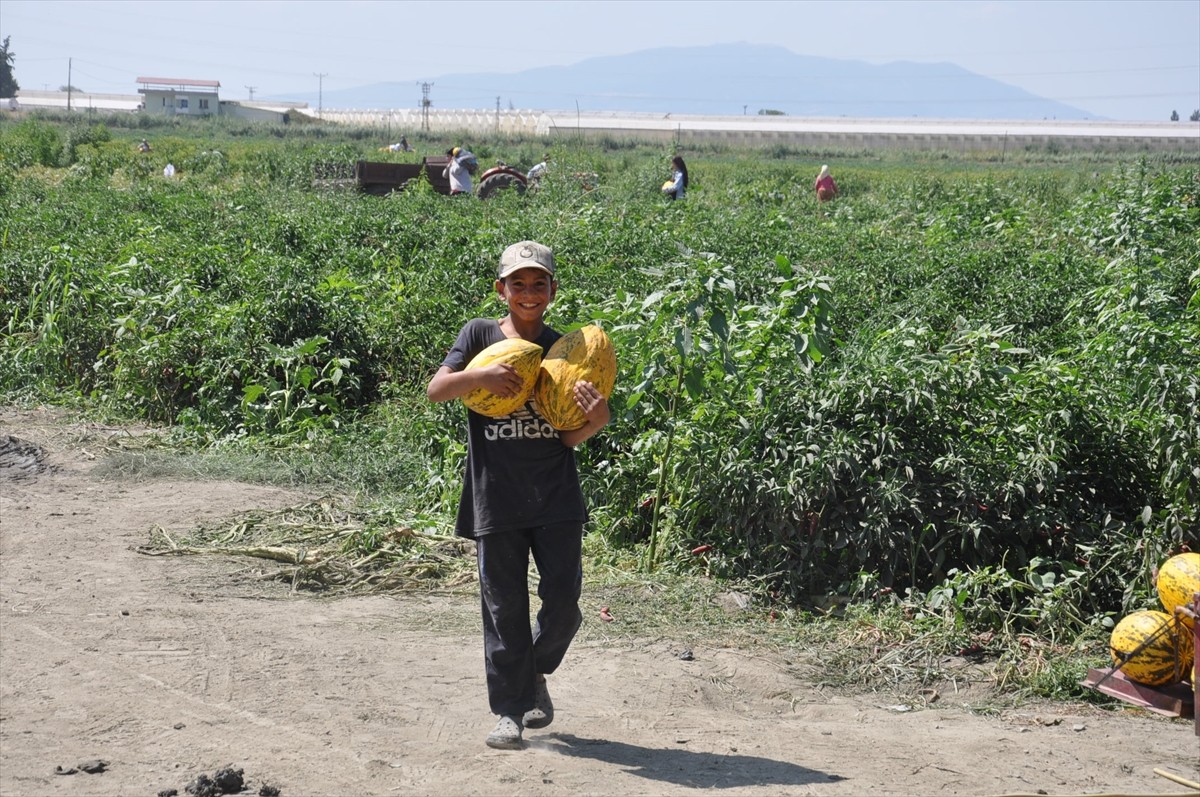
514, 652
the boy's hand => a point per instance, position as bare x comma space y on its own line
500, 379
595, 409
592, 402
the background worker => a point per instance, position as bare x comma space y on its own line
457, 171
676, 187
536, 174
825, 187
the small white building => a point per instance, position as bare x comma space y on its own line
180, 96
277, 111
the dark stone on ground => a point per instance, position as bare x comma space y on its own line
229, 780
91, 767
224, 781
20, 459
203, 786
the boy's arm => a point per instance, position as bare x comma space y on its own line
501, 379
595, 408
447, 384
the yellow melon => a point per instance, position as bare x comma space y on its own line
1178, 580
1151, 648
523, 356
583, 355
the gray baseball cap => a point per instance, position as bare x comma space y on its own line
526, 254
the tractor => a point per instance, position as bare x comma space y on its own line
380, 178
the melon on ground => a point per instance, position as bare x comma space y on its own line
1151, 648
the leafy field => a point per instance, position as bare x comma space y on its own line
967, 386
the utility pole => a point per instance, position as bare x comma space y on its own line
320, 76
497, 114
68, 84
425, 103
251, 90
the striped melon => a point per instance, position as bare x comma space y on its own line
583, 355
1178, 580
1151, 648
522, 356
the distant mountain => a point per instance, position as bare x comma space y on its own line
723, 79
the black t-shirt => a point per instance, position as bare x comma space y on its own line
519, 474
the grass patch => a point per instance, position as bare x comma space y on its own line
330, 547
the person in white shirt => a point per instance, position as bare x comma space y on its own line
539, 171
676, 187
460, 178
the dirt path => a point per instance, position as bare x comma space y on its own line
168, 668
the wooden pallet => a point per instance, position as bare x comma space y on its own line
1176, 700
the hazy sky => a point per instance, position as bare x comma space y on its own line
1120, 59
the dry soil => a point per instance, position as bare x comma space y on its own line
167, 668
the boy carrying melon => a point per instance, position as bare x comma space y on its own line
521, 496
